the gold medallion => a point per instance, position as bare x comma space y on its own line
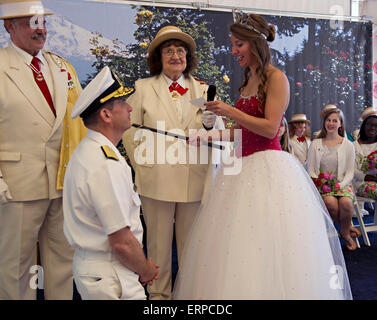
175, 95
39, 77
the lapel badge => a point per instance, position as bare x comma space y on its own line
175, 95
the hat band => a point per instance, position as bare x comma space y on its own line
117, 93
96, 104
21, 8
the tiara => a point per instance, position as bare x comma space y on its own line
246, 21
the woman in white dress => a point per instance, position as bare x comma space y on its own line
263, 233
332, 153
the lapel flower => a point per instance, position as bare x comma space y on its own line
71, 84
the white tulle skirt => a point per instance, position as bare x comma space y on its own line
263, 234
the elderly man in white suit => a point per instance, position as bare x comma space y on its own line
36, 88
171, 193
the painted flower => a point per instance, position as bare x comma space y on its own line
144, 16
341, 79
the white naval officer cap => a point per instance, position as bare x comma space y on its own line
101, 89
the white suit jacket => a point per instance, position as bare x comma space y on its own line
166, 182
30, 135
300, 149
346, 160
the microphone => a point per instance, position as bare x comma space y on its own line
211, 92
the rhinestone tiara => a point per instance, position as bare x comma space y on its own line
246, 21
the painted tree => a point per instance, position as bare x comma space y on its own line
129, 60
333, 67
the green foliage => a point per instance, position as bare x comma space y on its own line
130, 61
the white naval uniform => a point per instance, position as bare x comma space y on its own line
300, 149
98, 200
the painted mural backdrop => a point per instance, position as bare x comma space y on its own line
323, 62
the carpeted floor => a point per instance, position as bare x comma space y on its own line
361, 268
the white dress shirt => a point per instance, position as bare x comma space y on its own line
98, 196
178, 102
300, 149
43, 66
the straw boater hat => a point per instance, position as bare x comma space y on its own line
298, 118
326, 109
368, 112
21, 8
169, 33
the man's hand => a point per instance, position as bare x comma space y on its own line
150, 274
4, 192
208, 119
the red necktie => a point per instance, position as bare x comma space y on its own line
175, 86
41, 82
301, 139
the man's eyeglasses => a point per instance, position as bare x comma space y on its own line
170, 52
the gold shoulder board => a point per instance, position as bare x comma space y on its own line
109, 153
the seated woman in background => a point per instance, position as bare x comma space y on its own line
284, 136
349, 136
299, 136
365, 179
331, 165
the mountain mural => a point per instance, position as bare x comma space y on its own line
68, 40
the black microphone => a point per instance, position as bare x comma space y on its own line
211, 92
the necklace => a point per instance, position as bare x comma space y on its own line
39, 75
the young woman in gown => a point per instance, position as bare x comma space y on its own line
265, 232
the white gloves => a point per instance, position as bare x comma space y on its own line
208, 119
4, 192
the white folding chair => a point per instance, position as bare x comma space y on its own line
369, 227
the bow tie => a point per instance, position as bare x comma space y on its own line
175, 86
302, 139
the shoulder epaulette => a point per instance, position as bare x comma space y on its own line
200, 81
59, 60
109, 153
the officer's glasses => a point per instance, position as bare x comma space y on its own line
170, 52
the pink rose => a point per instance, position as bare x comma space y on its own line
327, 176
326, 188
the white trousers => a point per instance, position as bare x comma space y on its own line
100, 276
